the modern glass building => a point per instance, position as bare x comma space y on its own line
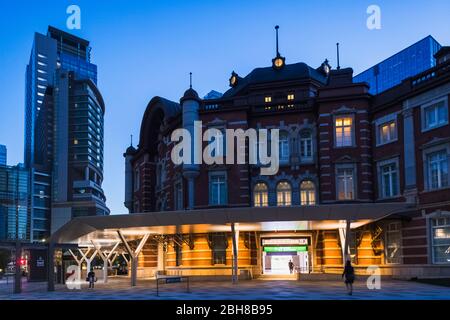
3, 155
14, 209
402, 65
58, 60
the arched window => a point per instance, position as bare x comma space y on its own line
284, 146
261, 195
284, 194
306, 145
307, 193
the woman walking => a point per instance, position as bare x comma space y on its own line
349, 274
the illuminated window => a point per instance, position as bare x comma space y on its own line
307, 193
344, 131
441, 240
75, 141
261, 195
284, 194
268, 99
290, 97
387, 132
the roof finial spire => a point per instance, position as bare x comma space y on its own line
338, 63
131, 138
276, 31
190, 80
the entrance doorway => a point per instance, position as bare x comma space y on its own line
278, 252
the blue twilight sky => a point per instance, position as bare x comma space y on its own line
147, 48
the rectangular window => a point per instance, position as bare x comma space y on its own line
290, 97
438, 174
344, 131
387, 132
435, 115
137, 179
345, 184
441, 240
388, 174
393, 243
179, 196
219, 244
218, 189
268, 99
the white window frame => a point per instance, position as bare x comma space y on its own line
433, 245
283, 193
284, 145
354, 181
352, 130
380, 165
261, 197
307, 193
426, 128
213, 175
426, 165
303, 145
380, 122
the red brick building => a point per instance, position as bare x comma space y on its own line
342, 150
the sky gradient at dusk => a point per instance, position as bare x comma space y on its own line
144, 49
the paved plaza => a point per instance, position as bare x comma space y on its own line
250, 289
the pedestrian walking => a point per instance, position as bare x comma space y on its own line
349, 277
91, 278
291, 266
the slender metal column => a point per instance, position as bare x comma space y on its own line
235, 252
345, 256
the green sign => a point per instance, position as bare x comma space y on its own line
286, 249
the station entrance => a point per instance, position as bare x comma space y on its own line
277, 253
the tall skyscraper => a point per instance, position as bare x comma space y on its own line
63, 132
14, 210
3, 155
402, 65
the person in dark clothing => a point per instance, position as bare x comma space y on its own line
291, 266
349, 276
91, 279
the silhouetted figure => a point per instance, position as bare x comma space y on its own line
349, 274
91, 279
291, 266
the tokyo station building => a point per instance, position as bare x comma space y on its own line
362, 177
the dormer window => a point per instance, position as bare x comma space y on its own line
290, 97
268, 99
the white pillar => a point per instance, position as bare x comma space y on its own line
235, 253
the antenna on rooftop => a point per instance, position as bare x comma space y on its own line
338, 63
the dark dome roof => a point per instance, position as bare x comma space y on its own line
130, 150
190, 94
294, 71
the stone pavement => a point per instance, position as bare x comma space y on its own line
249, 290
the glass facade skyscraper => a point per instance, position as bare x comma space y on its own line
59, 62
14, 209
402, 65
3, 155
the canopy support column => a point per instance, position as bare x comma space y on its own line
344, 235
235, 253
133, 254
